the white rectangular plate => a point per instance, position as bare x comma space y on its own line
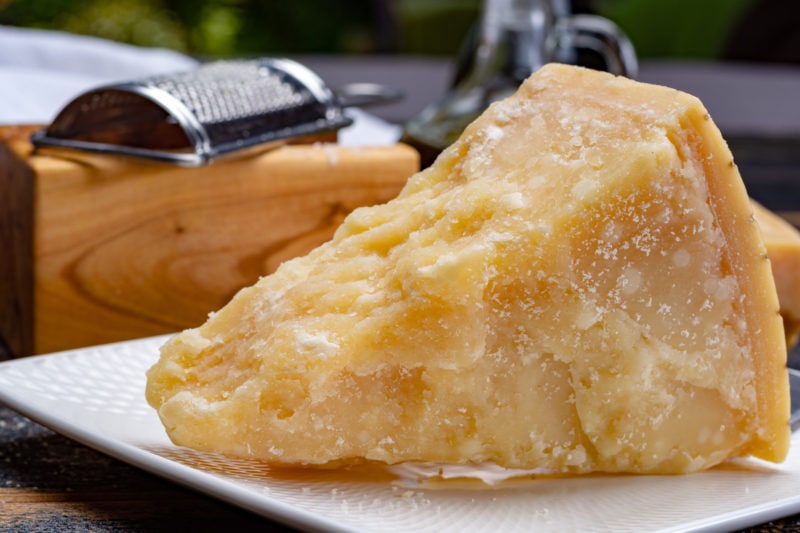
96, 396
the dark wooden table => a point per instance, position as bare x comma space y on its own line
50, 483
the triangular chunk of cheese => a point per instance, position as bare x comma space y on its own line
576, 284
783, 249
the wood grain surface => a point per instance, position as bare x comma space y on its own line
126, 248
16, 243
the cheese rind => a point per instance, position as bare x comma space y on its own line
576, 284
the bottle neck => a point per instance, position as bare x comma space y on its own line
517, 35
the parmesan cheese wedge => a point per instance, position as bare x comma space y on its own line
783, 248
577, 284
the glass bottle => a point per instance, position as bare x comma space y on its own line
514, 39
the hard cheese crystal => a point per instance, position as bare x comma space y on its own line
577, 284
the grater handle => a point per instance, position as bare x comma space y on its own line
366, 94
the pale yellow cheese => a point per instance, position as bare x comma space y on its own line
783, 248
576, 284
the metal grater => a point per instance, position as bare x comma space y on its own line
190, 118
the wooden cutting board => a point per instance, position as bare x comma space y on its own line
106, 248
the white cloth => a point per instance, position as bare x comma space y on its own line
41, 71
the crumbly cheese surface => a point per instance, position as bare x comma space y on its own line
576, 284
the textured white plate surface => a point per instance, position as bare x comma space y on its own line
96, 396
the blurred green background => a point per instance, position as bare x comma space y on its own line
693, 29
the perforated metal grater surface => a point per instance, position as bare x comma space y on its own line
192, 117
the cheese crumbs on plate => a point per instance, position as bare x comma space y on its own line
577, 284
